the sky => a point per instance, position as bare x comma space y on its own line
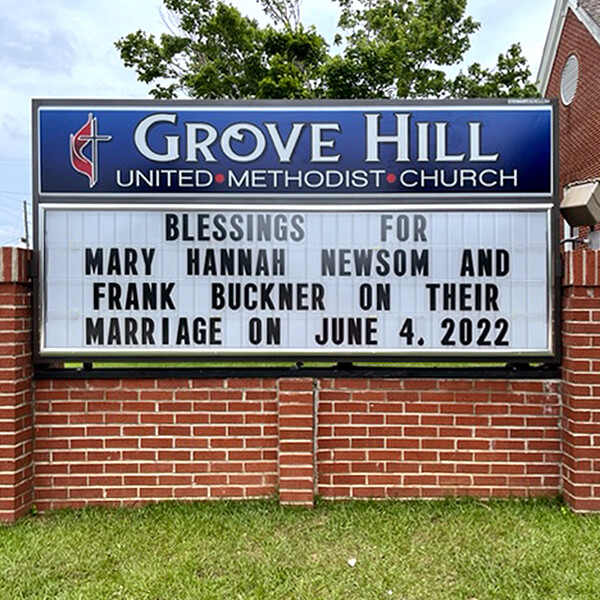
65, 49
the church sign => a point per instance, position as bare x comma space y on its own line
359, 230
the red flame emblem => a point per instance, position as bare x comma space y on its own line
87, 136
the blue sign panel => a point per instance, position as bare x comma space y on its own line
387, 150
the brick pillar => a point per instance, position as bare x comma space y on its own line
581, 380
16, 380
296, 442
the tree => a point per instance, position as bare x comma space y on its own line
388, 49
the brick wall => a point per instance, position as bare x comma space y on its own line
581, 380
16, 429
124, 441
427, 438
296, 476
579, 130
579, 123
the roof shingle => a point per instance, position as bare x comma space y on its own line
592, 8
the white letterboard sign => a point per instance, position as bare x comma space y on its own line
297, 281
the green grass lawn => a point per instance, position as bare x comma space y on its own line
403, 550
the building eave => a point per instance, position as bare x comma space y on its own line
557, 22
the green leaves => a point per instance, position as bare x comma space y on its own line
390, 49
509, 79
294, 63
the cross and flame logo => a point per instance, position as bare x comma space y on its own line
87, 136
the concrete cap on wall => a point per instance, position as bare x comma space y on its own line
13, 265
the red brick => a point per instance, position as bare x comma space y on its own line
295, 385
